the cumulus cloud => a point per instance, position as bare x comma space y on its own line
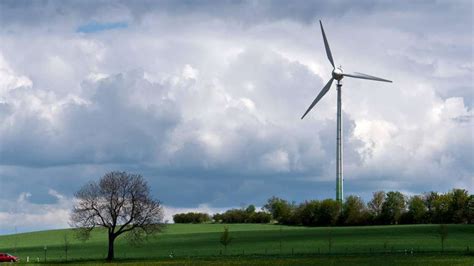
206, 105
23, 214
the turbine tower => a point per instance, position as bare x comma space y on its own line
338, 74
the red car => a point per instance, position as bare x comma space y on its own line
4, 257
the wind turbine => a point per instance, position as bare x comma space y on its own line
338, 74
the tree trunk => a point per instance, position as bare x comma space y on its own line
110, 255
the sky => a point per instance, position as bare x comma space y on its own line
204, 99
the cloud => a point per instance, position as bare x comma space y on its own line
9, 79
95, 26
24, 215
206, 104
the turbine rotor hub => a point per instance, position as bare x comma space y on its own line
337, 73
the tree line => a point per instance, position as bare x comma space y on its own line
245, 215
191, 218
455, 206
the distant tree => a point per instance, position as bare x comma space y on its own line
235, 216
242, 216
375, 205
458, 205
443, 234
225, 238
308, 213
280, 209
119, 202
250, 209
329, 212
416, 210
329, 238
261, 217
393, 207
280, 237
191, 217
294, 218
441, 212
15, 240
217, 217
429, 200
66, 245
353, 211
470, 210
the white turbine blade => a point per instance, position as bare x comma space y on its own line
320, 95
358, 75
326, 44
373, 77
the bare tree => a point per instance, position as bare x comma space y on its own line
119, 202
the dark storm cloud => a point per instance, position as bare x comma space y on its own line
247, 12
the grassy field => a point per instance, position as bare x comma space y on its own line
274, 244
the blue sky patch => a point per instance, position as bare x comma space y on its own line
95, 26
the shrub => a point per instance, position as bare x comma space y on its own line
191, 218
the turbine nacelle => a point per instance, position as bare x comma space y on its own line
338, 73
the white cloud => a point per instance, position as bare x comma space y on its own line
276, 160
189, 72
9, 79
25, 215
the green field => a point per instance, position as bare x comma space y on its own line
274, 244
